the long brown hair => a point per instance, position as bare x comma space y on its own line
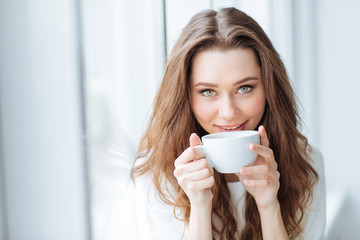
172, 122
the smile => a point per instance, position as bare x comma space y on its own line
223, 128
230, 128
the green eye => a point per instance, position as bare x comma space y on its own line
245, 89
208, 93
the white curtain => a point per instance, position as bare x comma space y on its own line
124, 55
124, 59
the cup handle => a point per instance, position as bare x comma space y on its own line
203, 148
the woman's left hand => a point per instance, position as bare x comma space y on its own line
261, 179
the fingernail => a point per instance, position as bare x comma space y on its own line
247, 182
252, 146
242, 170
262, 128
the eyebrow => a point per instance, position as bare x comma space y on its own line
241, 81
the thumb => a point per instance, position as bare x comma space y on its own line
195, 140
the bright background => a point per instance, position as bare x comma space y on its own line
77, 81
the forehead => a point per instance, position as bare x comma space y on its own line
216, 64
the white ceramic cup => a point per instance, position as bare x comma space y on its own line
227, 152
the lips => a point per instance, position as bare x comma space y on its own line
233, 127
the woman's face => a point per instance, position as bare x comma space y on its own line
227, 92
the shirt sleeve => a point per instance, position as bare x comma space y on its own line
113, 197
314, 221
156, 217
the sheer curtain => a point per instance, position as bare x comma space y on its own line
124, 58
124, 54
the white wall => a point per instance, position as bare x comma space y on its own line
3, 225
41, 122
338, 51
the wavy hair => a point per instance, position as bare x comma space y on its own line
172, 122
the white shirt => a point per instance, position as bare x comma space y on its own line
139, 213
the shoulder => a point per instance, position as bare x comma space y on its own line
316, 155
313, 156
153, 212
148, 182
316, 160
314, 221
113, 210
142, 181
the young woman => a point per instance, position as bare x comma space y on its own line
225, 75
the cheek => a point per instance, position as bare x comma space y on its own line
203, 110
256, 107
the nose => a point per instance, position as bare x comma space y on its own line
228, 108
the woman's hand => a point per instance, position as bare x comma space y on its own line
194, 174
262, 179
196, 177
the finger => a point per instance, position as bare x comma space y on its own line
189, 155
242, 178
258, 177
201, 184
274, 175
193, 166
195, 176
264, 140
264, 169
265, 152
271, 175
257, 182
194, 140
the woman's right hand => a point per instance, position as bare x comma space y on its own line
194, 174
